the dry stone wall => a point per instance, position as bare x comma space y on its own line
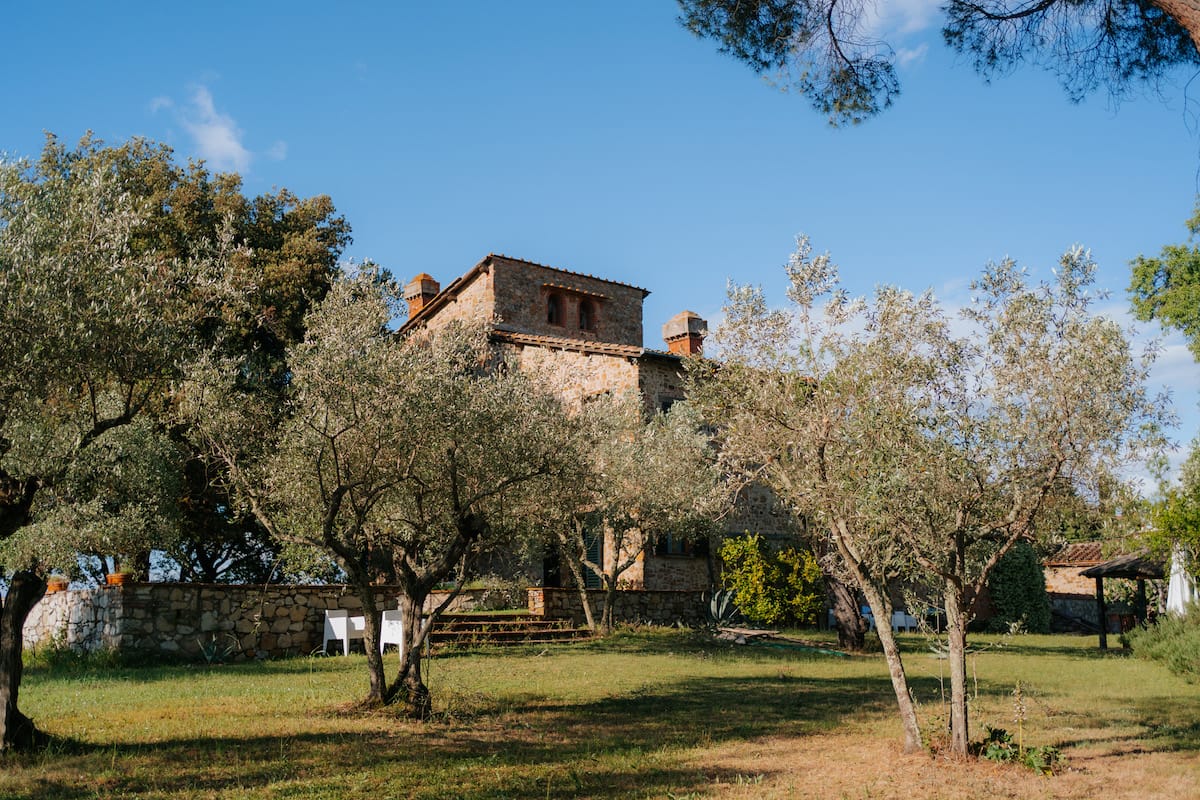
183, 620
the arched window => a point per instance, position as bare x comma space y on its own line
587, 315
554, 312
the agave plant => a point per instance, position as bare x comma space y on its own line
722, 610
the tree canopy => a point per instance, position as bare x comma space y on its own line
640, 481
94, 327
401, 459
1167, 288
923, 453
830, 51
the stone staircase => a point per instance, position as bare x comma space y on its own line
503, 629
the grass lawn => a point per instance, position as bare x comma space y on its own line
645, 714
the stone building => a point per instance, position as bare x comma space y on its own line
587, 333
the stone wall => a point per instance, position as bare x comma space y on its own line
1071, 606
759, 511
1066, 580
521, 291
180, 620
660, 379
473, 302
576, 376
657, 608
684, 573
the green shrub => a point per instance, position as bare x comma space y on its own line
1018, 588
1173, 640
772, 587
998, 745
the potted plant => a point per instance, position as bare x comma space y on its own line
57, 583
122, 576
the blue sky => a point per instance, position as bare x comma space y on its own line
602, 137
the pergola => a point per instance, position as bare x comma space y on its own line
1131, 567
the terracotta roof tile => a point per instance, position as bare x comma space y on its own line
1077, 554
562, 343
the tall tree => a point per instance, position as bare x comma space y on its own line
830, 51
286, 255
1167, 288
93, 328
397, 458
1175, 515
924, 454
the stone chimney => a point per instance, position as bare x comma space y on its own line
419, 291
684, 334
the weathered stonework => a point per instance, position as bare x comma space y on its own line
582, 336
578, 376
181, 620
633, 606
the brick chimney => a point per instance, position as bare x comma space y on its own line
684, 334
419, 291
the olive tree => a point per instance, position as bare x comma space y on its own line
399, 458
642, 480
93, 328
924, 454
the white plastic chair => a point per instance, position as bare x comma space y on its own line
340, 625
391, 631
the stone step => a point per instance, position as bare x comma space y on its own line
502, 637
483, 628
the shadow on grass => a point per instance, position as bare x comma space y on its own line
154, 673
614, 747
1166, 726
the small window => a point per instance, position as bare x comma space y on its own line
675, 545
554, 311
587, 315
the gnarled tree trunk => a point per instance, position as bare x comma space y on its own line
17, 731
409, 687
376, 695
847, 616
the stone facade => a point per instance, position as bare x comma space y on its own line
660, 607
522, 291
580, 375
582, 335
181, 620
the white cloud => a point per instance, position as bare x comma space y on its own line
159, 103
217, 137
900, 17
899, 21
911, 55
277, 151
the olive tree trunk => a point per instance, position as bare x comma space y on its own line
847, 616
881, 607
24, 591
576, 562
409, 687
956, 633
